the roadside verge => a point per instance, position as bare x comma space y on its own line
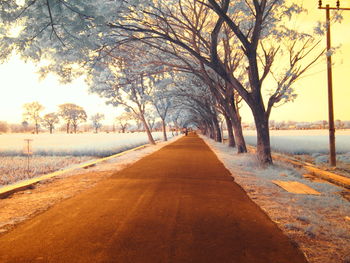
311, 169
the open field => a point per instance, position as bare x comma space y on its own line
303, 141
84, 144
309, 145
52, 152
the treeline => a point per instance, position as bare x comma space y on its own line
295, 125
70, 114
72, 118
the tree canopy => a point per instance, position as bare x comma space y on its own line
230, 47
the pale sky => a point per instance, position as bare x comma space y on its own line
19, 84
312, 101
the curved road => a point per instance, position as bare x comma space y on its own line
179, 204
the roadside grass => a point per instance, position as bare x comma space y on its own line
15, 168
307, 145
52, 152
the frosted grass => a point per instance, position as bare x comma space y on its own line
52, 152
312, 142
86, 144
15, 168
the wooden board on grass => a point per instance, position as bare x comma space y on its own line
296, 187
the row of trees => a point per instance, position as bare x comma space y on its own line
73, 115
294, 125
204, 56
70, 113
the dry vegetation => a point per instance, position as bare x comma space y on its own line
52, 152
15, 168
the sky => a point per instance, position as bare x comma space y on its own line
312, 101
19, 83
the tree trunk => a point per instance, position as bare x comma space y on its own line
67, 127
231, 137
164, 131
237, 128
51, 129
222, 131
211, 131
204, 129
36, 127
148, 131
263, 137
241, 145
217, 129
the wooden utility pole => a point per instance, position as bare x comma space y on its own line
332, 153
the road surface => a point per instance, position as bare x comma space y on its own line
179, 205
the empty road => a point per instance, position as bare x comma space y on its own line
179, 204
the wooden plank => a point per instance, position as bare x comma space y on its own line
341, 180
296, 187
333, 178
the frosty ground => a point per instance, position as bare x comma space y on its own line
308, 145
51, 152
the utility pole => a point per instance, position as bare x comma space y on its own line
332, 154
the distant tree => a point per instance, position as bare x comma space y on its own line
25, 126
32, 112
123, 121
324, 124
339, 124
151, 119
162, 102
96, 121
49, 120
72, 114
4, 127
86, 128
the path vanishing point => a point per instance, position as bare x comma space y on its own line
179, 204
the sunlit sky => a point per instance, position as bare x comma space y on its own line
19, 84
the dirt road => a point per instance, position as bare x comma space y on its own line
179, 204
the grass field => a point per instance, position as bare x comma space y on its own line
309, 145
304, 141
52, 152
61, 144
